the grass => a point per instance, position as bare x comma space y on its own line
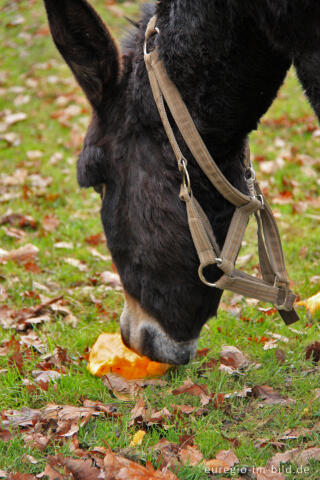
29, 60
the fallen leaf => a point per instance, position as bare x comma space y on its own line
296, 455
224, 461
13, 118
97, 254
23, 254
108, 409
81, 469
29, 459
190, 455
14, 232
5, 435
68, 418
138, 438
26, 417
141, 415
270, 396
96, 239
50, 223
193, 389
280, 355
3, 293
111, 279
51, 472
120, 468
233, 357
127, 389
18, 220
313, 352
45, 377
77, 264
65, 245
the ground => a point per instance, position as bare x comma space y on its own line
38, 152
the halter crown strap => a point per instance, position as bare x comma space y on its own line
274, 285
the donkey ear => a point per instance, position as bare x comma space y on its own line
86, 45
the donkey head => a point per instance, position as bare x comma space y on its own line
144, 220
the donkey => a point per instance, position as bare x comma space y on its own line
228, 59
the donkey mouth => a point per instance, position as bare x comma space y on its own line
146, 337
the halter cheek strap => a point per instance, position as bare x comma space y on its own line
274, 285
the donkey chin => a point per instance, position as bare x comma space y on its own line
143, 334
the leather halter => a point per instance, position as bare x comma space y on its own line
274, 285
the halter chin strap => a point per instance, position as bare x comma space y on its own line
274, 285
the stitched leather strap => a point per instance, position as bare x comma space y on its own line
274, 286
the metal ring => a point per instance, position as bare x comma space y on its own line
250, 171
203, 278
156, 31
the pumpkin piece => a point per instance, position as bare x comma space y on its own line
109, 354
312, 304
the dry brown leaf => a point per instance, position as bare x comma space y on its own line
108, 409
25, 418
5, 435
270, 396
18, 220
52, 473
233, 357
280, 355
296, 455
120, 468
29, 459
13, 118
224, 461
50, 223
111, 279
65, 245
141, 415
36, 440
23, 254
17, 178
313, 352
14, 232
24, 318
190, 455
68, 418
3, 293
81, 469
46, 376
74, 262
193, 389
128, 389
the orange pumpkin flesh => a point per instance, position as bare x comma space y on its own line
109, 354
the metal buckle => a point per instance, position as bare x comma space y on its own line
250, 173
261, 200
145, 51
185, 174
